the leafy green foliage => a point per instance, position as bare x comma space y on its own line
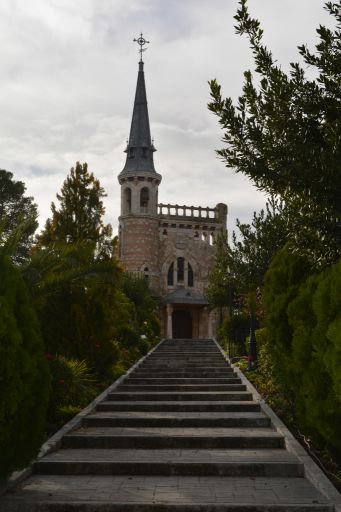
73, 387
265, 379
233, 333
18, 214
284, 133
220, 290
287, 271
240, 268
78, 303
303, 319
79, 217
256, 245
315, 316
24, 377
144, 322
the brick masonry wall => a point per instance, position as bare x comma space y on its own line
139, 246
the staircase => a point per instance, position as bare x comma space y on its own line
180, 433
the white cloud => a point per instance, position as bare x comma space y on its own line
69, 72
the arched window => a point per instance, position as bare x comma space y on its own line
127, 200
190, 275
146, 272
170, 276
181, 269
144, 200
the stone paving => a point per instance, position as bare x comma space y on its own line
181, 433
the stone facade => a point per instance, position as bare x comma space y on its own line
171, 245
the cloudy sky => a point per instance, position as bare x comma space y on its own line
68, 74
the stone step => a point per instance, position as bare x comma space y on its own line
185, 375
230, 379
185, 361
126, 493
205, 372
182, 365
179, 350
179, 406
188, 360
164, 449
190, 356
247, 463
181, 387
186, 420
181, 395
170, 366
160, 438
187, 353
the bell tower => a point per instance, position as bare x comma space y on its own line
139, 222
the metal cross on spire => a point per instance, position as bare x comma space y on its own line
141, 41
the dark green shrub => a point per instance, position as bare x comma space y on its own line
24, 376
317, 349
232, 334
303, 318
281, 284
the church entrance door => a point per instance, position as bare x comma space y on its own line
182, 323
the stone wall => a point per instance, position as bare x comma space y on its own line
139, 246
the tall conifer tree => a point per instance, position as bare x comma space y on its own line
79, 217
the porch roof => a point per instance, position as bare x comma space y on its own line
185, 296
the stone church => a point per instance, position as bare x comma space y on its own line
170, 244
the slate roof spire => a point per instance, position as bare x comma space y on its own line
140, 147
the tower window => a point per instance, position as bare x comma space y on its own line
170, 276
131, 153
181, 269
127, 200
144, 200
190, 275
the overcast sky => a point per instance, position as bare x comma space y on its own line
68, 74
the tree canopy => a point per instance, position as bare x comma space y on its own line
79, 216
241, 266
284, 133
18, 214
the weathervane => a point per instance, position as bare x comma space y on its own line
141, 41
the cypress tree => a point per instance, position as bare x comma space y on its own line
24, 376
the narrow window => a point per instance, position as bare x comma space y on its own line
190, 275
181, 269
146, 272
127, 200
170, 277
144, 200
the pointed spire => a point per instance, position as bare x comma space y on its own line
140, 147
